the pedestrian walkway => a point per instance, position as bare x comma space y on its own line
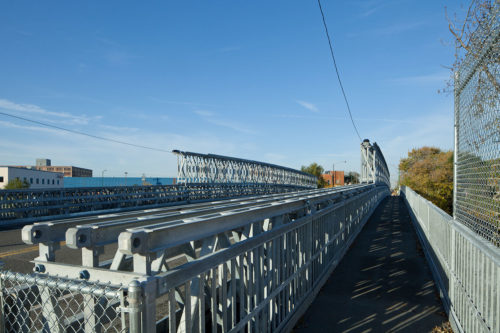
383, 283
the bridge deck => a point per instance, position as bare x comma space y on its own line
383, 284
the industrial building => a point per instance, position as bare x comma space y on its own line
44, 164
35, 178
334, 178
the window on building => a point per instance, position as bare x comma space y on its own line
1, 179
52, 181
58, 182
38, 181
43, 181
31, 180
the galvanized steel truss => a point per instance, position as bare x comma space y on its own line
210, 168
220, 266
27, 206
373, 166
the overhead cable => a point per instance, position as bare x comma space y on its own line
337, 70
85, 134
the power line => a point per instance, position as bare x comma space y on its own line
85, 134
337, 70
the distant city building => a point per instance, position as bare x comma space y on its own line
69, 171
42, 162
45, 164
35, 178
332, 177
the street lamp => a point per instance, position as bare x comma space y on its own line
102, 177
126, 173
333, 172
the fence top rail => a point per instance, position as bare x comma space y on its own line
158, 237
80, 286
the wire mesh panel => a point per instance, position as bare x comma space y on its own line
40, 303
477, 117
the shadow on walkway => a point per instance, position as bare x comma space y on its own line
383, 283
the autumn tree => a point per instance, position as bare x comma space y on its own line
316, 170
429, 172
16, 184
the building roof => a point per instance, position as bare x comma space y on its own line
23, 168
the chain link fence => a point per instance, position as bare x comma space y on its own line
477, 123
41, 303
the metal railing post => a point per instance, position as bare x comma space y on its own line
134, 306
455, 153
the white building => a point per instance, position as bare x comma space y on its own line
36, 178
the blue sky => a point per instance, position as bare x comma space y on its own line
250, 79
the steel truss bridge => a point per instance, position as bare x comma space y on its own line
200, 178
210, 168
201, 265
244, 263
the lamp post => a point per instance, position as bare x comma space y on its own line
102, 177
126, 173
333, 172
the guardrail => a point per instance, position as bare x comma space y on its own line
247, 265
18, 207
465, 266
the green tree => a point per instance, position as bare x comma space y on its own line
352, 177
316, 170
16, 184
429, 172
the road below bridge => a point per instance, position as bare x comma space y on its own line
383, 283
17, 255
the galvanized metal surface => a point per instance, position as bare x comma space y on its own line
465, 266
28, 206
263, 282
210, 168
249, 264
263, 261
477, 135
373, 166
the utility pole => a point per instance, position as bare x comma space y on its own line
102, 177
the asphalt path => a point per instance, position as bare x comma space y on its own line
383, 283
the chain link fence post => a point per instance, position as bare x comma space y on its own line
134, 299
